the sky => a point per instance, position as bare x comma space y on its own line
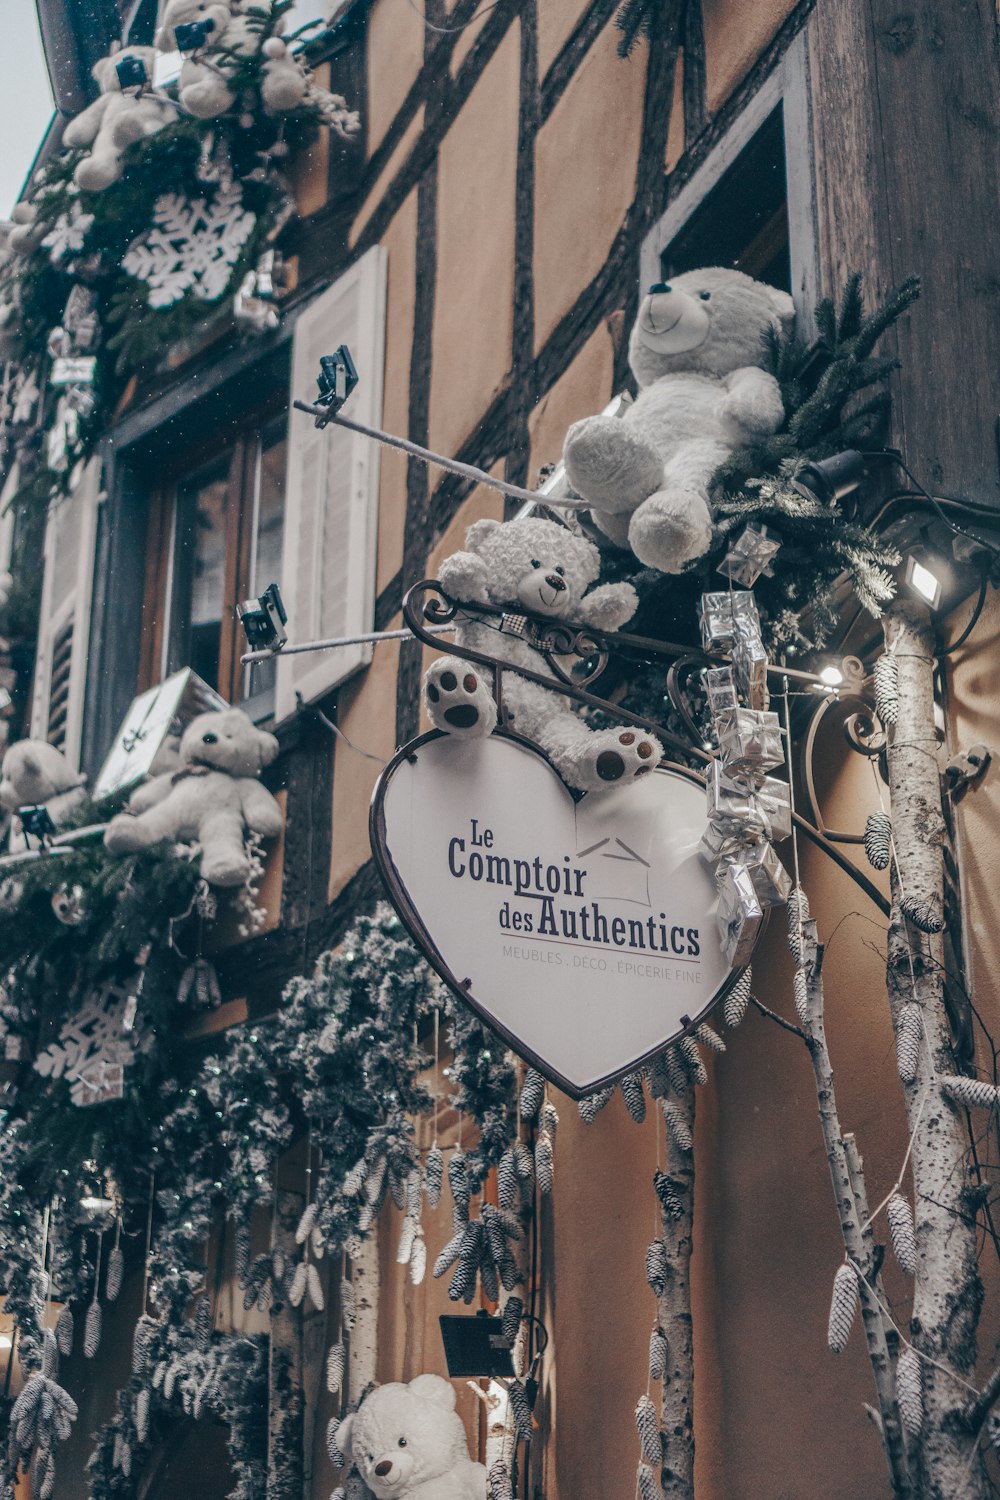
25, 98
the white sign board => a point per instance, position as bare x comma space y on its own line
584, 931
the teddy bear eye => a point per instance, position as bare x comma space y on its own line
402, 1442
705, 296
535, 563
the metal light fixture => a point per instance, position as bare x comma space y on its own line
831, 676
36, 823
475, 1346
338, 375
831, 479
264, 619
923, 577
131, 73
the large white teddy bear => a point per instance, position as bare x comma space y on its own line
114, 120
696, 352
236, 32
537, 566
408, 1443
214, 800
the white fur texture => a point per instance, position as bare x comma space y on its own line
36, 774
214, 800
703, 394
539, 566
415, 1437
113, 121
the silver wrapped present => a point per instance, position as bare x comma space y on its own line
742, 805
749, 556
749, 740
726, 614
774, 800
750, 667
740, 916
770, 878
719, 843
721, 688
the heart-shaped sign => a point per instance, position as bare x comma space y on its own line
584, 932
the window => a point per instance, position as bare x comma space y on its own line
223, 524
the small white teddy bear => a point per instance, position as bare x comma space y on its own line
114, 120
538, 566
696, 351
36, 774
214, 799
408, 1443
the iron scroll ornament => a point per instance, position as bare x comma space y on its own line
408, 908
427, 603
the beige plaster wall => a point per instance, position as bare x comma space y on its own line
395, 56
736, 32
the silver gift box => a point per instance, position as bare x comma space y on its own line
720, 686
749, 740
740, 916
719, 842
750, 666
725, 615
774, 799
740, 804
749, 556
769, 876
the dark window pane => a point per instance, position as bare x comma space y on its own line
200, 569
743, 221
268, 532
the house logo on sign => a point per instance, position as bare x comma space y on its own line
617, 870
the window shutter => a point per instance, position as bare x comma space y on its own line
331, 491
64, 616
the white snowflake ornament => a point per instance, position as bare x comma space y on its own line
193, 245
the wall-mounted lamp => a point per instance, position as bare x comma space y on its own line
831, 676
131, 73
192, 35
831, 479
338, 375
923, 576
264, 620
475, 1345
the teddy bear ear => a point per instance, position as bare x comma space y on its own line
784, 307
343, 1437
268, 748
434, 1387
479, 531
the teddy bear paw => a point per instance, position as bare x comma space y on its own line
670, 530
610, 464
458, 700
615, 756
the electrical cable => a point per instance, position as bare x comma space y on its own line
973, 620
450, 30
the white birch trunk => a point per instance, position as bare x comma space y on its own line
948, 1292
285, 1473
362, 1353
673, 1312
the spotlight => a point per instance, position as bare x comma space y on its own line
36, 822
94, 1205
193, 34
338, 376
831, 479
475, 1345
131, 73
264, 619
922, 577
831, 676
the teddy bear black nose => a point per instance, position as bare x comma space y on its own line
555, 582
383, 1468
210, 739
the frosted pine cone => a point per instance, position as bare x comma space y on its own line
648, 1484
524, 1163
241, 1253
115, 1276
434, 1176
507, 1189
800, 991
543, 1162
901, 1231
510, 1318
140, 1347
336, 1363
348, 1304
735, 1005
910, 1391
691, 1060
418, 1260
878, 840
64, 1330
306, 1223
450, 1253
374, 1183
336, 1457
297, 1289
677, 1125
355, 1178
314, 1287
532, 1095
591, 1106
521, 1409
498, 1482
142, 1415
798, 916
657, 1266
458, 1178
657, 1354
407, 1235
550, 1121
843, 1306
203, 1325
634, 1096
666, 1190
974, 1093
709, 1038
923, 914
886, 684
648, 1428
908, 1035
92, 1330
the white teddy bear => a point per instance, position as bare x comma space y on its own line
408, 1443
36, 774
538, 566
203, 88
114, 120
696, 351
214, 800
